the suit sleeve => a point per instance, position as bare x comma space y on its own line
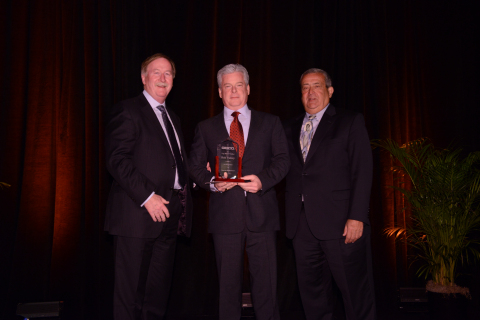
198, 161
361, 170
120, 138
280, 162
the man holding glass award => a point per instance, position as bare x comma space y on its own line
248, 154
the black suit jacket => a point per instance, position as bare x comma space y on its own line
335, 179
266, 155
140, 160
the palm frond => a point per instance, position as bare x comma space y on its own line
4, 185
444, 199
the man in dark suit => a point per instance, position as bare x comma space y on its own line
243, 215
327, 200
148, 202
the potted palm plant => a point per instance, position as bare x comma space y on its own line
443, 197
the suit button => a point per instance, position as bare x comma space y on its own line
304, 174
174, 166
299, 194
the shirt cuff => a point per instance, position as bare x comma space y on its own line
147, 199
213, 188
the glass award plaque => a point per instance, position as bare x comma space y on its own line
228, 164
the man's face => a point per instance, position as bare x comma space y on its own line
158, 80
315, 94
234, 91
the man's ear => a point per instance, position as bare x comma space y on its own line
330, 91
143, 79
248, 90
220, 92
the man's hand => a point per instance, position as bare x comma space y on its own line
225, 186
222, 186
253, 186
353, 230
157, 209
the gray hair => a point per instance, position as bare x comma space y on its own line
328, 80
231, 68
156, 56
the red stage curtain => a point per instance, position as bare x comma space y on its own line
408, 66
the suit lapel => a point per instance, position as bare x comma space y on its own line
176, 124
322, 129
178, 129
151, 118
253, 131
218, 126
296, 130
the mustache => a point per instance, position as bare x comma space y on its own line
161, 84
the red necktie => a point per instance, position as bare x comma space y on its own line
236, 133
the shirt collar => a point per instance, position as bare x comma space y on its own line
153, 103
317, 115
244, 111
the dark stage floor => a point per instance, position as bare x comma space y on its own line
405, 316
420, 314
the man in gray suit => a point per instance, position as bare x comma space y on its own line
243, 215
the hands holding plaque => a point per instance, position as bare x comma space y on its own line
252, 184
228, 169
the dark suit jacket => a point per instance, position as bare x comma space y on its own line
266, 155
140, 160
335, 179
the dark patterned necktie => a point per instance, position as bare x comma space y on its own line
174, 146
236, 133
